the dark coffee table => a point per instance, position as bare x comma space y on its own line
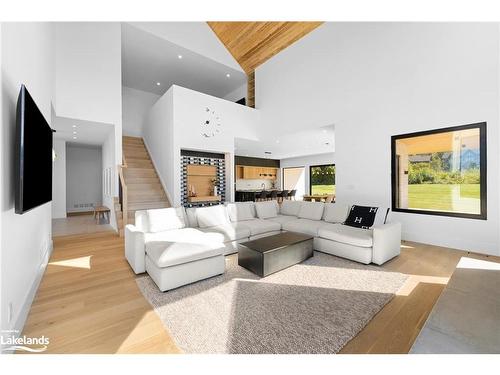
267, 255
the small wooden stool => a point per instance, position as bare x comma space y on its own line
101, 211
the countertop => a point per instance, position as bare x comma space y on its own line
255, 190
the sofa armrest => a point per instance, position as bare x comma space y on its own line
134, 248
386, 242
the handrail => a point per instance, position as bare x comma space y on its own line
124, 193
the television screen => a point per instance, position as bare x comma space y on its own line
33, 164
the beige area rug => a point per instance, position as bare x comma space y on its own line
313, 307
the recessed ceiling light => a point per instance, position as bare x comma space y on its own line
228, 75
74, 132
179, 56
74, 126
158, 83
74, 137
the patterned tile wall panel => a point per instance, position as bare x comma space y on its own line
221, 178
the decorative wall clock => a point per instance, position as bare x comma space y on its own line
212, 125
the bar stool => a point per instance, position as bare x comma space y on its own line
283, 194
274, 195
291, 195
262, 196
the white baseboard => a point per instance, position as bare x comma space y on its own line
459, 243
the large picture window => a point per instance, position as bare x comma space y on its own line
441, 172
322, 179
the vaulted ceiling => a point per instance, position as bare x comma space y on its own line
252, 43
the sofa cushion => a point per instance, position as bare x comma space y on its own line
192, 219
311, 210
346, 234
165, 219
141, 220
229, 232
266, 210
304, 226
382, 216
212, 216
190, 235
166, 254
290, 208
282, 219
259, 226
335, 212
241, 211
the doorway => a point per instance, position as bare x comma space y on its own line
294, 179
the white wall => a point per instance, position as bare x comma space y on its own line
135, 106
175, 122
83, 177
59, 180
306, 162
26, 239
2, 182
196, 36
88, 80
189, 115
158, 133
108, 162
374, 80
235, 95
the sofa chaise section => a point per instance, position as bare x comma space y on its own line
171, 253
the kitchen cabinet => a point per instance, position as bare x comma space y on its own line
256, 173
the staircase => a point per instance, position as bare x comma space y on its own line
142, 185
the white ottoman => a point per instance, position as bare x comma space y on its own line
174, 264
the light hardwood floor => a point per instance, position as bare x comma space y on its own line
88, 301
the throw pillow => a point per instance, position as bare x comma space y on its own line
311, 210
361, 216
164, 219
266, 210
241, 211
335, 212
290, 208
212, 216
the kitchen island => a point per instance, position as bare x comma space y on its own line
248, 195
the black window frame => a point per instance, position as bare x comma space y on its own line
482, 171
320, 165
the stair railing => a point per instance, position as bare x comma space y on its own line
123, 192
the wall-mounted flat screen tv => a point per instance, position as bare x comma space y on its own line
33, 158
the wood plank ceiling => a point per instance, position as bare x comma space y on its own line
252, 43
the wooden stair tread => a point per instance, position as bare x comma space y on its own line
148, 205
144, 188
147, 198
132, 181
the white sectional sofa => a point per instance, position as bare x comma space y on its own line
177, 246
